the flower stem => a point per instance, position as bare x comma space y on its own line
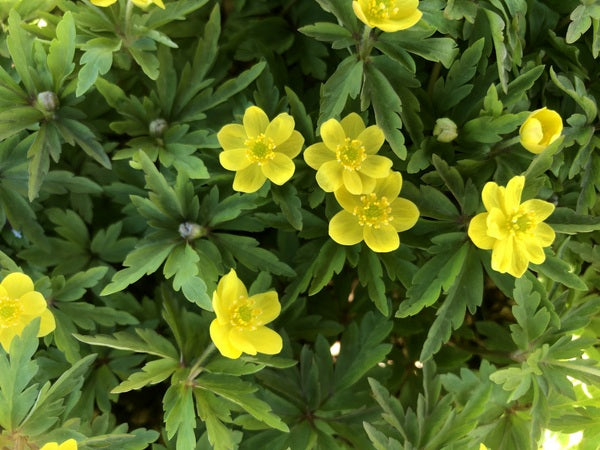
128, 15
366, 44
197, 367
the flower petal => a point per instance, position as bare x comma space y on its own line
318, 154
103, 3
540, 208
329, 176
520, 259
478, 232
496, 224
501, 255
232, 136
280, 129
383, 239
372, 138
367, 182
352, 182
376, 166
332, 134
344, 229
353, 125
512, 195
220, 337
531, 134
17, 284
279, 169
544, 234
249, 179
229, 289
6, 337
263, 340
404, 213
396, 24
239, 339
359, 13
269, 306
535, 252
34, 303
234, 159
492, 196
292, 146
47, 323
389, 187
255, 121
346, 200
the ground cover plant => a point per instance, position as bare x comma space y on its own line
316, 224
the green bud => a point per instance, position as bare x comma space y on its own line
190, 231
48, 100
445, 130
158, 127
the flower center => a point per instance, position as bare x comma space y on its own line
521, 222
10, 311
244, 313
374, 211
351, 154
382, 9
260, 149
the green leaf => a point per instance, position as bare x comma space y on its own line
565, 220
327, 32
153, 372
581, 20
286, 197
561, 271
39, 160
180, 417
531, 321
387, 106
96, 60
147, 61
20, 47
370, 274
74, 131
342, 10
75, 286
62, 50
577, 93
147, 341
330, 260
14, 120
441, 50
497, 27
344, 82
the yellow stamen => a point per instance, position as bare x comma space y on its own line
260, 149
374, 212
351, 154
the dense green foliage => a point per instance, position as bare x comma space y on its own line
113, 200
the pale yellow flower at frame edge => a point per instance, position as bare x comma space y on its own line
514, 231
69, 444
347, 156
387, 15
140, 3
376, 218
540, 129
260, 149
240, 323
19, 305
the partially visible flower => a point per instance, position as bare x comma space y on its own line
260, 149
140, 3
387, 15
445, 130
376, 218
19, 305
514, 231
347, 156
240, 323
540, 129
70, 444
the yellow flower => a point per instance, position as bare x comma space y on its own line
260, 149
140, 3
240, 323
70, 444
376, 218
387, 15
540, 129
347, 156
514, 231
19, 305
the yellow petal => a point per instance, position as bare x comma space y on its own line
220, 337
478, 232
6, 337
279, 169
544, 234
496, 223
404, 213
52, 445
391, 25
329, 176
352, 182
368, 183
234, 159
376, 166
344, 229
280, 129
535, 252
359, 13
232, 136
346, 200
531, 134
390, 186
249, 179
239, 339
292, 146
47, 323
17, 284
492, 196
263, 339
103, 3
332, 134
353, 125
501, 255
520, 259
318, 154
160, 4
269, 306
372, 138
541, 209
512, 194
255, 121
229, 289
383, 239
33, 303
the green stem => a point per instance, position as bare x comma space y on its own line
500, 148
366, 44
128, 15
197, 367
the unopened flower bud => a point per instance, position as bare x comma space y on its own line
158, 127
445, 130
190, 231
48, 100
